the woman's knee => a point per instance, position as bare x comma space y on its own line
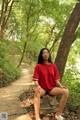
37, 94
66, 92
36, 98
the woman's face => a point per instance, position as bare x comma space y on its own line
45, 55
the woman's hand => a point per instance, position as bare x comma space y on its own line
63, 87
60, 85
37, 89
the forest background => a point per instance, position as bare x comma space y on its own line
26, 26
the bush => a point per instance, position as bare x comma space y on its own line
72, 81
9, 71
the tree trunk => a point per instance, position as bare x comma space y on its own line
5, 14
67, 39
24, 49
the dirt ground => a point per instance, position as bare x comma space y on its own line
9, 96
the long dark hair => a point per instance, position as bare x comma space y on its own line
40, 58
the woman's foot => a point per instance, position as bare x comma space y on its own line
59, 117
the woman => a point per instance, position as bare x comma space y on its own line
46, 79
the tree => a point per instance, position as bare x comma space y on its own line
67, 39
32, 16
5, 14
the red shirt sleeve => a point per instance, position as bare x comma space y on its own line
36, 73
56, 73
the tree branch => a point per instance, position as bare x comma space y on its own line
54, 41
9, 11
50, 35
2, 9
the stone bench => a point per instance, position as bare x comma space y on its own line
48, 103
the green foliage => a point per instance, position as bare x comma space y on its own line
74, 98
71, 76
71, 79
8, 72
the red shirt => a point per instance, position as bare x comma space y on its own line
47, 75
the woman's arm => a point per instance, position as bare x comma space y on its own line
37, 87
60, 85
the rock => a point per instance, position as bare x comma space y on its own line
48, 105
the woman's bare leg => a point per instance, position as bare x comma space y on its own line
64, 93
37, 96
